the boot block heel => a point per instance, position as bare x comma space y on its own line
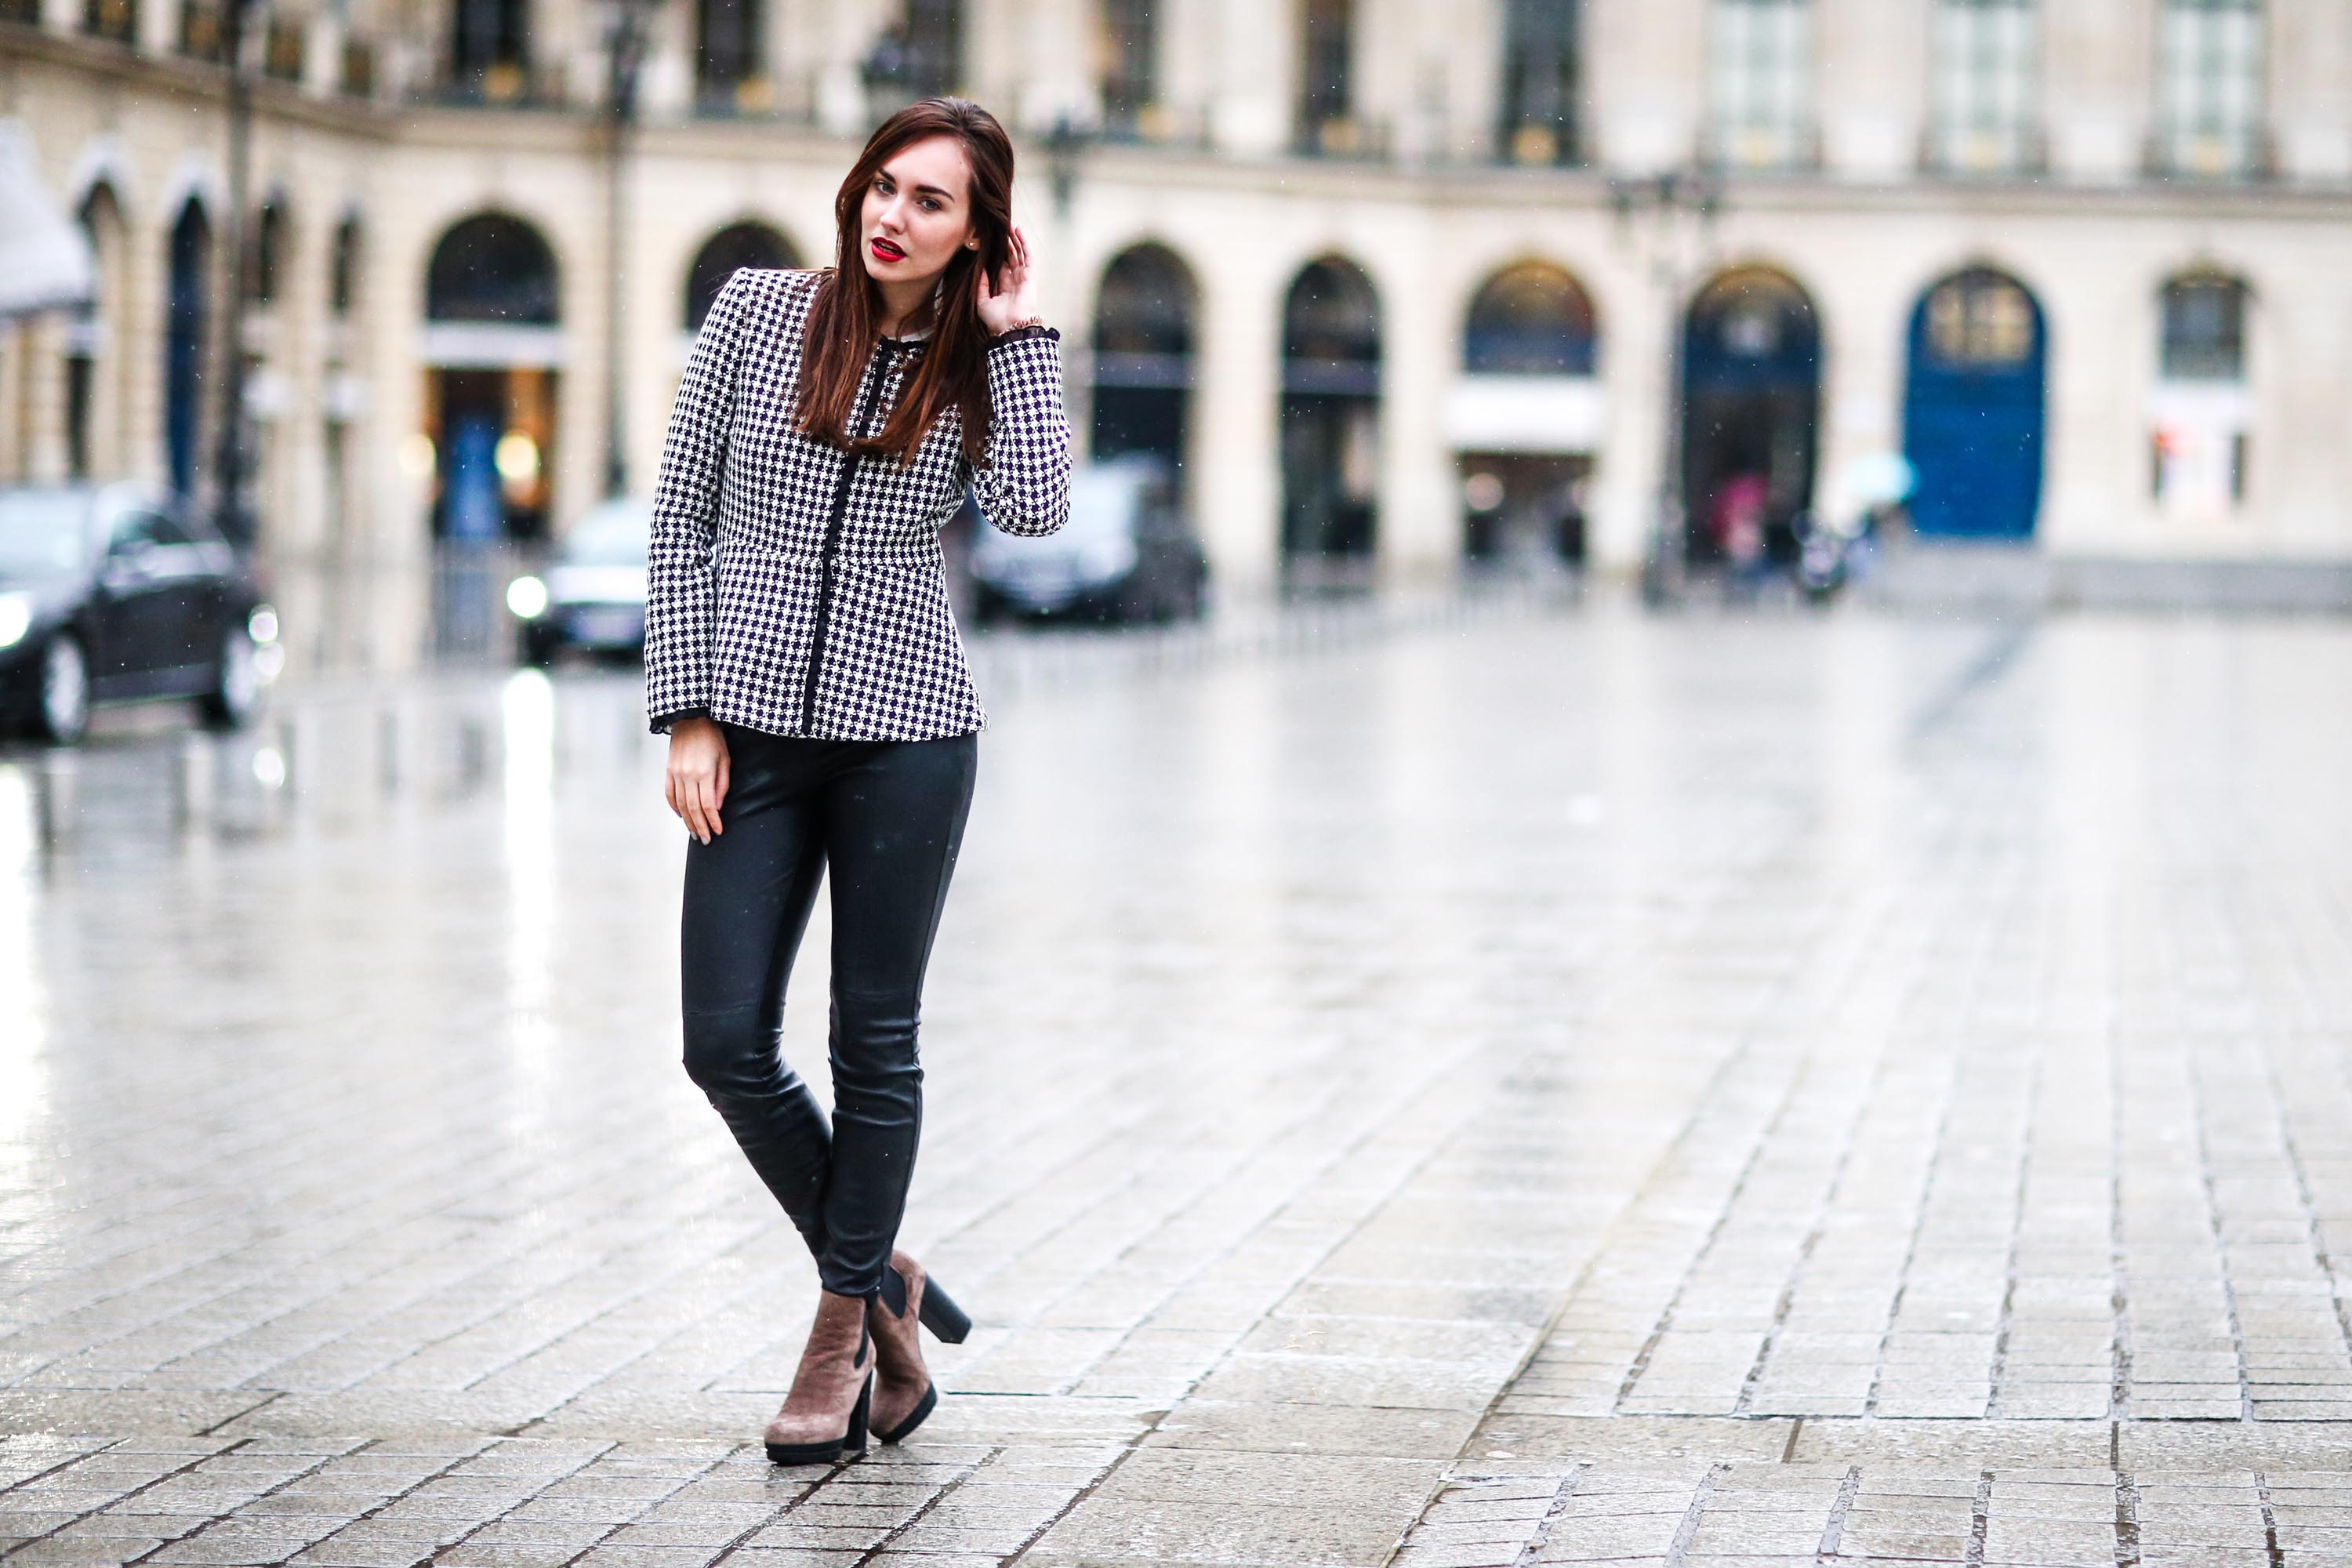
940, 1314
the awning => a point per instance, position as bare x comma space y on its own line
45, 261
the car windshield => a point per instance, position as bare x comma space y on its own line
610, 536
43, 533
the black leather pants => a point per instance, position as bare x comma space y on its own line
885, 817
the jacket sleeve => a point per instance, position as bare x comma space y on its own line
680, 609
1025, 485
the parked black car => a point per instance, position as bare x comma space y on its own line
1126, 555
116, 592
592, 595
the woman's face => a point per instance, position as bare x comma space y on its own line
918, 212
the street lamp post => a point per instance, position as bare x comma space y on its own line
1682, 203
230, 514
625, 57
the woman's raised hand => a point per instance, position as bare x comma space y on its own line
1010, 295
694, 784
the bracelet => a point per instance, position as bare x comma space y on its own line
1013, 327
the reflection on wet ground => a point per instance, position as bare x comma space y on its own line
1523, 1083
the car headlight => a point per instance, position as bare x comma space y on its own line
526, 598
15, 618
262, 625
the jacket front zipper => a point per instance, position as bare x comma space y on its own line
832, 534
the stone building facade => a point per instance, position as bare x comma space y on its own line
1393, 287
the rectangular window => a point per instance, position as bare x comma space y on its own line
1541, 82
1760, 83
934, 47
728, 77
2210, 110
1988, 74
1129, 54
115, 19
1323, 104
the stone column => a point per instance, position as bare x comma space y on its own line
2311, 84
1234, 431
42, 339
2098, 85
1638, 319
1864, 332
1646, 68
1257, 54
296, 504
1418, 538
136, 334
1871, 76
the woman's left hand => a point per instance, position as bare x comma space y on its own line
1011, 295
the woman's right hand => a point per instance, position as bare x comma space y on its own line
695, 783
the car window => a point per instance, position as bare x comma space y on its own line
42, 531
140, 526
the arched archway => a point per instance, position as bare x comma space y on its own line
1525, 419
747, 244
1973, 406
1144, 333
1751, 412
2201, 448
492, 346
1330, 426
188, 311
1532, 317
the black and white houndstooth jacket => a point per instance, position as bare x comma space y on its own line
794, 589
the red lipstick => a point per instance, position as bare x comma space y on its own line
884, 252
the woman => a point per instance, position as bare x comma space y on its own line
801, 654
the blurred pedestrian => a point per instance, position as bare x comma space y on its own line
803, 658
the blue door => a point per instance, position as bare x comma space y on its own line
1972, 411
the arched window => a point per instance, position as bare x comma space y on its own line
2204, 328
1531, 319
737, 246
343, 274
187, 309
1143, 346
265, 253
90, 418
491, 268
2210, 59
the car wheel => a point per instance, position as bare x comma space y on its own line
235, 694
63, 712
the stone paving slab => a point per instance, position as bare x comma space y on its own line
1547, 1089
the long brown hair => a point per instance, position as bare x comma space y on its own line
846, 319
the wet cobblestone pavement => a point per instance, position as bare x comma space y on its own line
1556, 1089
